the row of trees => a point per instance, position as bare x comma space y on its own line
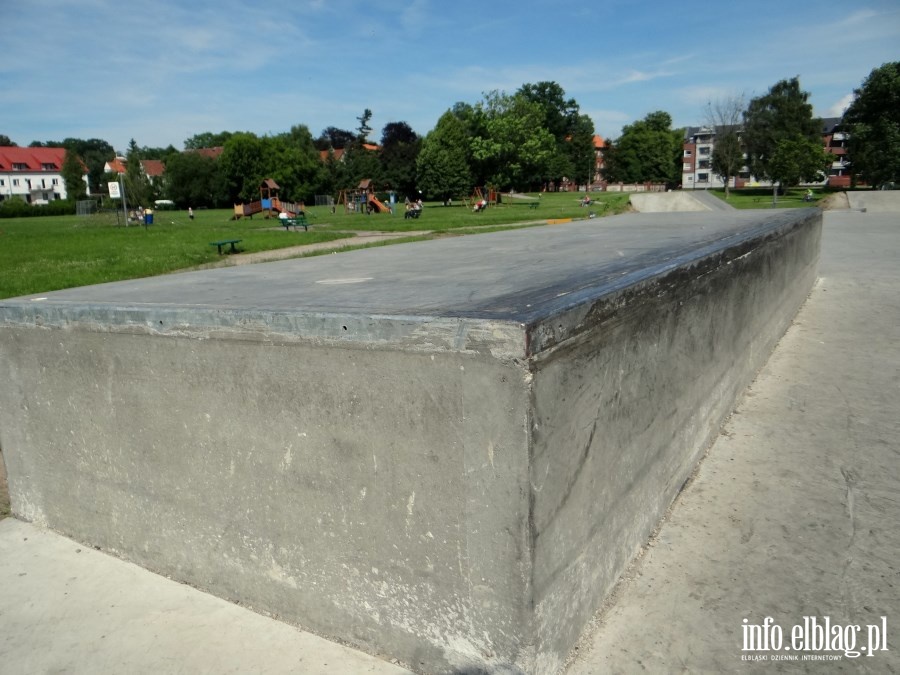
527, 140
523, 141
519, 141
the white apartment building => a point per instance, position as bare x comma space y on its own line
696, 169
34, 174
697, 173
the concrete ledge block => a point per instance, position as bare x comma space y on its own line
443, 452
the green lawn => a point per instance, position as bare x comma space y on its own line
761, 198
50, 253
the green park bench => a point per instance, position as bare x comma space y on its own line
224, 242
295, 222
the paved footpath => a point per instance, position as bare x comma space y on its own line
793, 514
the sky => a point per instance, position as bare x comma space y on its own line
161, 71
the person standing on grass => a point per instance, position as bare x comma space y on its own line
190, 213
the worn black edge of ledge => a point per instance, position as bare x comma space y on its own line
568, 319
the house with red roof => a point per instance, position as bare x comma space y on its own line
34, 174
212, 153
153, 169
339, 152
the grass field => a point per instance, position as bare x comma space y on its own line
46, 254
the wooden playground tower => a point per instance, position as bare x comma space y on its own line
361, 199
269, 202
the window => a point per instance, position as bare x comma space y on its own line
56, 181
2, 181
702, 177
15, 182
687, 153
703, 152
704, 164
18, 166
686, 166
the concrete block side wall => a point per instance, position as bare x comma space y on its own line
624, 411
372, 496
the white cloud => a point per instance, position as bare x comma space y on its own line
837, 110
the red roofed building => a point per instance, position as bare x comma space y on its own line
212, 153
339, 152
34, 174
153, 168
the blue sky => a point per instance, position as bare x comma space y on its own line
162, 71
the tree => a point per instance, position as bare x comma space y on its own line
193, 179
724, 116
648, 150
360, 163
363, 130
207, 140
782, 114
6, 142
873, 122
333, 138
797, 159
514, 147
242, 163
72, 172
292, 160
572, 131
400, 147
138, 190
442, 166
580, 149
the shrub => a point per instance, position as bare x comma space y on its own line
16, 207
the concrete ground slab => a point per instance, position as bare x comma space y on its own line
794, 512
65, 608
397, 448
875, 201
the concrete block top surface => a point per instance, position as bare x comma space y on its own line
517, 278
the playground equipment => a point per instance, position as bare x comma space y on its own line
477, 198
269, 202
362, 199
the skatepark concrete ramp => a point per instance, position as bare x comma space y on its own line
445, 452
667, 202
876, 201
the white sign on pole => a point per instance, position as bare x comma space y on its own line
114, 190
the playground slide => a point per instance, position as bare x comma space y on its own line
381, 207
